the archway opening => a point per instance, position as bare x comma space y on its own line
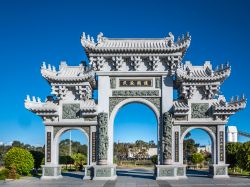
135, 137
73, 152
198, 152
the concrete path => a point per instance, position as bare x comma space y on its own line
128, 178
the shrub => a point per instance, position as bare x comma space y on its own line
21, 159
4, 173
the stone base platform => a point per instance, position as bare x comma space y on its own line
51, 172
170, 172
104, 172
218, 171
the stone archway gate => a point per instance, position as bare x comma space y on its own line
135, 70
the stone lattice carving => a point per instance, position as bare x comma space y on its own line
199, 110
154, 62
167, 137
133, 93
102, 140
118, 62
135, 62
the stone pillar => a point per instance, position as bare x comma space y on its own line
103, 170
219, 169
51, 169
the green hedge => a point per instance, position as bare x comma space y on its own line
21, 159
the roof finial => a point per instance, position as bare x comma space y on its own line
88, 38
49, 67
232, 99
221, 67
38, 99
100, 37
44, 65
243, 97
83, 36
171, 36
33, 99
92, 40
28, 98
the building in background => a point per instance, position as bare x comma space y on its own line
232, 134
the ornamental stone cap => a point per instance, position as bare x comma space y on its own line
205, 73
116, 45
67, 73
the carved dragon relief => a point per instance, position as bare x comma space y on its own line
102, 137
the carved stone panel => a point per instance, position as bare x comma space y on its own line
176, 134
213, 128
70, 111
113, 101
220, 170
157, 82
167, 137
112, 82
221, 144
200, 110
48, 147
93, 146
103, 172
58, 128
102, 137
166, 172
136, 82
133, 93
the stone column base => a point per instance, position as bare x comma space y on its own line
218, 171
170, 172
88, 173
104, 172
51, 172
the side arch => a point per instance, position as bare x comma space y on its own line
211, 134
113, 114
56, 142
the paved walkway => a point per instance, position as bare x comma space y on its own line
128, 178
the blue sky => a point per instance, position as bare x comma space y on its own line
35, 31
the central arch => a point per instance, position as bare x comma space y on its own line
112, 119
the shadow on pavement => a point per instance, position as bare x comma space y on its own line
73, 175
197, 173
136, 173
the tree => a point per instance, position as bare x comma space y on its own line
243, 156
232, 150
189, 148
21, 159
66, 160
197, 158
38, 157
154, 159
